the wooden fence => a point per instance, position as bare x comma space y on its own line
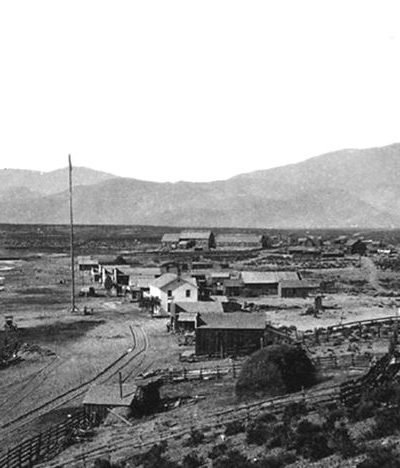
48, 444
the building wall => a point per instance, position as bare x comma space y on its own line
211, 341
178, 293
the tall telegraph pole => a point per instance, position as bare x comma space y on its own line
71, 221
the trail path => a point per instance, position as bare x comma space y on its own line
371, 272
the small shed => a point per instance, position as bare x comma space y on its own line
299, 288
141, 397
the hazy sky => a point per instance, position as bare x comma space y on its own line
195, 90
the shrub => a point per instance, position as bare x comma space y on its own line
232, 459
258, 432
342, 443
387, 422
294, 411
192, 461
217, 451
155, 457
196, 437
275, 370
275, 461
234, 427
310, 441
381, 457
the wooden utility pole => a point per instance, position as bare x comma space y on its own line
71, 221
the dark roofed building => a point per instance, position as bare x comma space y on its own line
230, 334
299, 288
87, 263
202, 240
356, 247
140, 398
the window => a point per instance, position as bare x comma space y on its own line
187, 292
169, 293
169, 307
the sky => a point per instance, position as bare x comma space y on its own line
195, 90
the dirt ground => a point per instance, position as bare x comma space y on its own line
65, 349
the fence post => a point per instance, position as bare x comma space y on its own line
233, 370
218, 374
201, 373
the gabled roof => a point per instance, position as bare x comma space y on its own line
352, 242
109, 395
234, 321
87, 260
239, 237
193, 235
201, 307
140, 271
268, 277
187, 317
168, 278
170, 237
299, 284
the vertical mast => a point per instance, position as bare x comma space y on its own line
71, 220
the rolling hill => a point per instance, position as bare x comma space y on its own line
348, 188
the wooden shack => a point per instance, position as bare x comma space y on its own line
141, 397
230, 334
356, 247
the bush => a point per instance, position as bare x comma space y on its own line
196, 437
275, 370
234, 427
217, 451
275, 461
387, 422
342, 443
155, 457
232, 459
381, 457
259, 432
294, 411
310, 441
192, 461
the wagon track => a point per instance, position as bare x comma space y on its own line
125, 361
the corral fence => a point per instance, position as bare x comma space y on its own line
49, 443
134, 441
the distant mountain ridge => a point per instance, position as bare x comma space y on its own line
347, 188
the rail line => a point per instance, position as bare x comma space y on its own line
140, 347
127, 442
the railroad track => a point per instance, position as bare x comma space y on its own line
125, 361
132, 440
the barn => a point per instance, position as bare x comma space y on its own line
230, 334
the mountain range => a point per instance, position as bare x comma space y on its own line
353, 188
